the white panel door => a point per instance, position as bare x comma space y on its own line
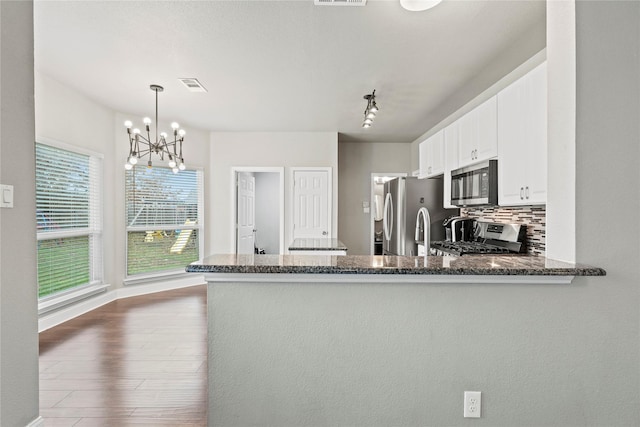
311, 216
246, 213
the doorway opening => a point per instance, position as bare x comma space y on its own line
377, 207
258, 210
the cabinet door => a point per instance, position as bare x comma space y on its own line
436, 154
450, 159
486, 116
522, 141
467, 130
479, 134
423, 159
511, 147
536, 112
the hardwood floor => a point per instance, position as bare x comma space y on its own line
136, 361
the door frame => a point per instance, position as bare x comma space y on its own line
234, 199
372, 213
329, 171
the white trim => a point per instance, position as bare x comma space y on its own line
154, 277
234, 180
49, 320
82, 307
372, 222
38, 422
68, 147
426, 279
55, 302
188, 280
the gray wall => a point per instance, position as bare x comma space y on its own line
356, 162
18, 290
606, 312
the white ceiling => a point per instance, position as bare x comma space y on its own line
287, 65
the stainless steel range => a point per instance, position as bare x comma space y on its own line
488, 238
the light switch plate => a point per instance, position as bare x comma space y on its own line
6, 196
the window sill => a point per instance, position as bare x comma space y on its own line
55, 302
154, 277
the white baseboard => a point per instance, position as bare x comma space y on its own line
38, 422
81, 307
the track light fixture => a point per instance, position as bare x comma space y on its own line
371, 110
159, 145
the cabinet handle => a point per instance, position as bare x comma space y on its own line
527, 192
521, 193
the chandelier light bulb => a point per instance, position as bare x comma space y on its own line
182, 167
371, 115
128, 166
146, 145
366, 125
374, 108
368, 121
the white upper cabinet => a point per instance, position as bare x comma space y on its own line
522, 140
478, 139
451, 134
431, 156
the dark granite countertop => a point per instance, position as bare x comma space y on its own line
317, 244
505, 265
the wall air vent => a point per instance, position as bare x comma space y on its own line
339, 2
193, 85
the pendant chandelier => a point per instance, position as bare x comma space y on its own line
141, 146
371, 110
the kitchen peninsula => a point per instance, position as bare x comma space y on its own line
348, 340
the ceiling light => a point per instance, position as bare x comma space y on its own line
159, 145
371, 110
419, 5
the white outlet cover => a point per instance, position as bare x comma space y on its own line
472, 404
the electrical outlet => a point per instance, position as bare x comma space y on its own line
472, 404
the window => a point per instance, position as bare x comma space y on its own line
164, 219
69, 219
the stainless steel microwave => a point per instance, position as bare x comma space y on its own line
475, 185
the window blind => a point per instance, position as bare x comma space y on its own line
164, 219
68, 219
157, 197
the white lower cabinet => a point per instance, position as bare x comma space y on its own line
522, 140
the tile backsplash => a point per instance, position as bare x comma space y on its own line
533, 216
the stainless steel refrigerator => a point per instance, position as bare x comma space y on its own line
403, 197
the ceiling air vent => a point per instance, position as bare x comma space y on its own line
340, 2
193, 85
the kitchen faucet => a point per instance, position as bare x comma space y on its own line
426, 218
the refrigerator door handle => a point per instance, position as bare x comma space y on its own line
388, 212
